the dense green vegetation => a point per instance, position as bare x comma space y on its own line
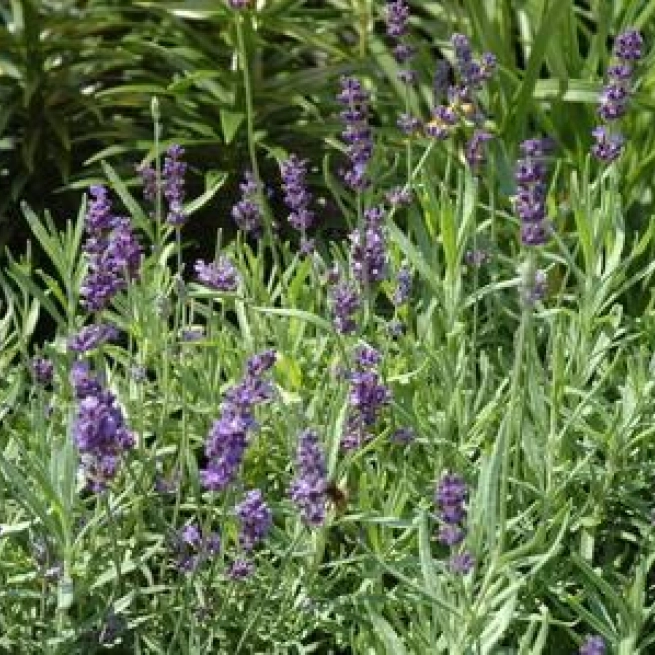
333, 331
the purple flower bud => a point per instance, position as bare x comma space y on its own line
628, 45
462, 563
240, 569
608, 146
42, 370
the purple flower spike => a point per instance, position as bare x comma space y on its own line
101, 437
247, 213
369, 248
593, 645
531, 175
309, 488
173, 174
256, 519
91, 337
222, 275
403, 289
296, 196
357, 133
397, 15
345, 301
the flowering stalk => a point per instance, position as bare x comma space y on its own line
614, 98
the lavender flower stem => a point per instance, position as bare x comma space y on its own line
286, 558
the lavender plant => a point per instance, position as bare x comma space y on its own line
240, 454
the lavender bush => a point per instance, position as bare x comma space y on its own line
432, 435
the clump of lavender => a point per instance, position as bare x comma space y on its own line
345, 302
256, 519
173, 174
239, 4
228, 437
42, 370
367, 396
222, 275
593, 645
309, 487
368, 248
357, 133
397, 17
450, 499
247, 213
99, 430
91, 337
614, 98
113, 252
531, 176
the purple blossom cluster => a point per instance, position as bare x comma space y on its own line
397, 17
256, 519
192, 549
403, 289
173, 183
42, 370
593, 645
228, 437
368, 248
366, 398
91, 337
399, 197
309, 487
247, 213
531, 175
462, 105
240, 569
450, 499
345, 302
240, 4
357, 133
221, 275
614, 98
296, 196
114, 254
99, 429
173, 174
